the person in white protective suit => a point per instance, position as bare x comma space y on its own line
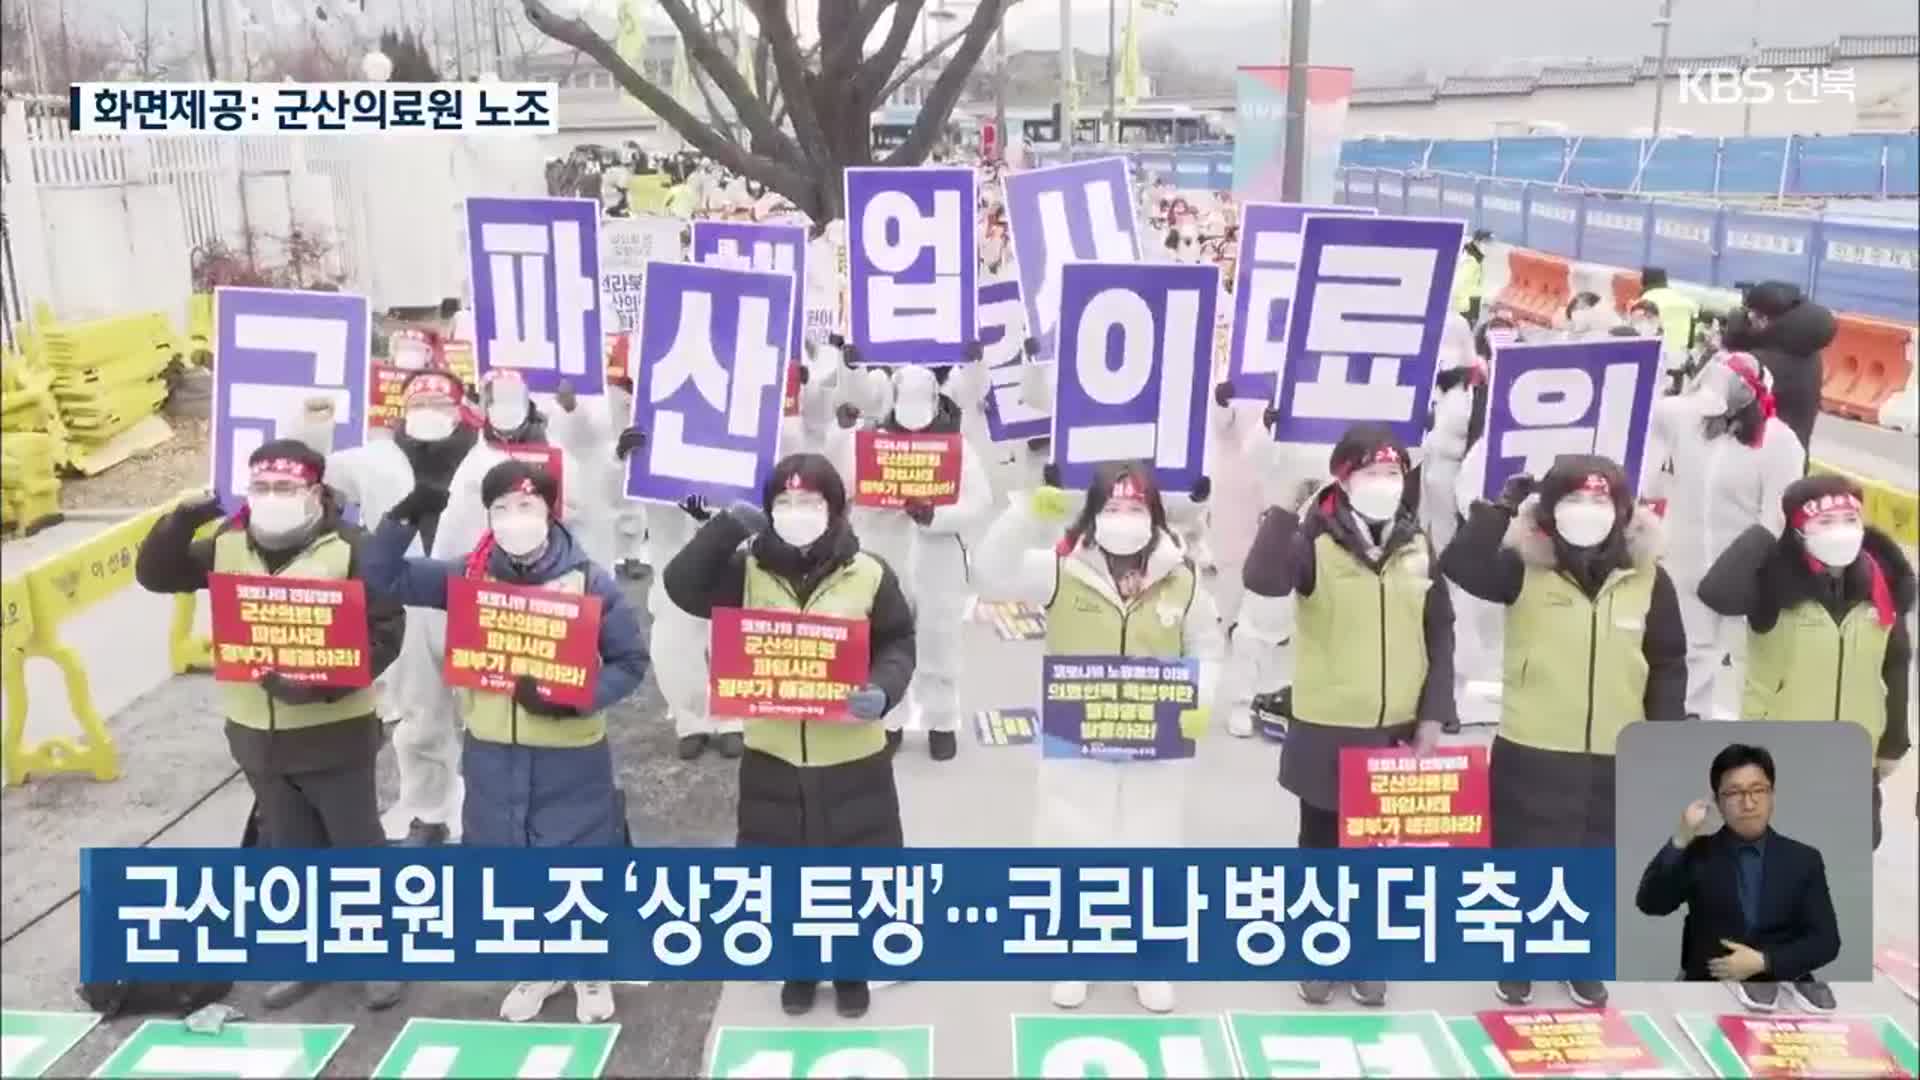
588, 431
426, 451
1116, 582
927, 541
1459, 414
821, 376
1239, 452
1732, 458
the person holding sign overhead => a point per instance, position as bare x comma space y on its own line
1373, 634
307, 751
1116, 584
809, 783
1594, 642
539, 773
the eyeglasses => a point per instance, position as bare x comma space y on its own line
1746, 795
275, 487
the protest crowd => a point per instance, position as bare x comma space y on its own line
1308, 583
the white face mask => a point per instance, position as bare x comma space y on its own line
506, 413
800, 525
1122, 532
278, 515
1835, 545
1376, 498
519, 533
430, 425
1583, 524
914, 413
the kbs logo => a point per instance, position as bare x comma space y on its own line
1763, 85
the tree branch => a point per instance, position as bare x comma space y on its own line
726, 76
848, 37
777, 32
872, 74
900, 77
939, 102
715, 113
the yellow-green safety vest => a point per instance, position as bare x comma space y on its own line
1084, 620
329, 558
1575, 669
848, 593
496, 718
1467, 277
1809, 667
1360, 641
1677, 312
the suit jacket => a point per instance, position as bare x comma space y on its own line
1795, 927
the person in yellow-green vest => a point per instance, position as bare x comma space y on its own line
538, 773
1469, 276
1372, 639
307, 752
1826, 605
804, 784
1117, 583
1594, 643
1678, 311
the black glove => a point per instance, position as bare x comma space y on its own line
630, 440
851, 355
197, 512
838, 341
1271, 416
1050, 474
974, 352
287, 692
920, 510
526, 694
1515, 491
804, 375
696, 507
1031, 347
846, 415
1202, 488
1223, 393
422, 502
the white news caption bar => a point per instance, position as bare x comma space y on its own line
494, 108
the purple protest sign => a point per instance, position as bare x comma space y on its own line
535, 269
1363, 337
1117, 708
1003, 335
1264, 276
1574, 397
770, 249
1136, 347
711, 366
1062, 214
273, 350
910, 264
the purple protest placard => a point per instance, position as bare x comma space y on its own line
1117, 708
535, 269
1062, 214
1264, 275
1136, 347
1003, 335
1575, 397
711, 366
910, 264
770, 249
1363, 337
274, 349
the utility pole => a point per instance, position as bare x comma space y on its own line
1752, 60
206, 40
1067, 122
499, 51
459, 45
1000, 82
1113, 91
1293, 177
1665, 24
146, 40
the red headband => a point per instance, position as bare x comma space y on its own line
1597, 484
1379, 455
796, 482
1748, 368
284, 469
1127, 488
431, 386
1814, 507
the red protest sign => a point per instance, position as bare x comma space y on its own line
1389, 797
1830, 1046
617, 349
1548, 1042
891, 468
498, 632
1900, 963
790, 396
384, 405
457, 357
785, 665
310, 630
548, 457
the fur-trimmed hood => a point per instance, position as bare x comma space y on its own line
1646, 537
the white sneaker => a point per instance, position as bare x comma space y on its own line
1154, 996
1240, 722
525, 1000
1069, 995
593, 1001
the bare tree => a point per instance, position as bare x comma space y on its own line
804, 116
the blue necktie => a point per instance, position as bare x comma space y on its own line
1749, 856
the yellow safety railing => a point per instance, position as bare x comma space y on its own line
1894, 511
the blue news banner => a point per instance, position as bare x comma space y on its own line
929, 914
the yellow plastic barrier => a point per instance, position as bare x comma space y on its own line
1892, 510
34, 606
199, 326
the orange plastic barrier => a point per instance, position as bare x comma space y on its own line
1626, 289
1867, 363
1538, 287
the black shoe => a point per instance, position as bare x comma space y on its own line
1368, 992
1317, 991
1756, 995
850, 999
1513, 991
796, 998
942, 745
1814, 994
1588, 993
426, 834
730, 744
692, 746
893, 740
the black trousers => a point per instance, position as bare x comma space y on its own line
1319, 829
313, 787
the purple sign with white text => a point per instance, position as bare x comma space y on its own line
769, 249
711, 366
1575, 397
1136, 348
1117, 708
1264, 275
910, 264
1363, 336
273, 350
1003, 335
534, 265
1081, 212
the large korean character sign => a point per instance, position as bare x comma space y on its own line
535, 269
1363, 336
1003, 336
774, 249
274, 349
1136, 346
911, 264
1578, 397
1265, 272
711, 362
1081, 212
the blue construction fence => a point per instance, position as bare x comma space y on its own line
1875, 166
1848, 264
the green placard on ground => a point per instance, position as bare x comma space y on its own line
1704, 1031
1483, 1059
820, 1053
478, 1049
1344, 1044
1066, 1046
167, 1048
31, 1041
